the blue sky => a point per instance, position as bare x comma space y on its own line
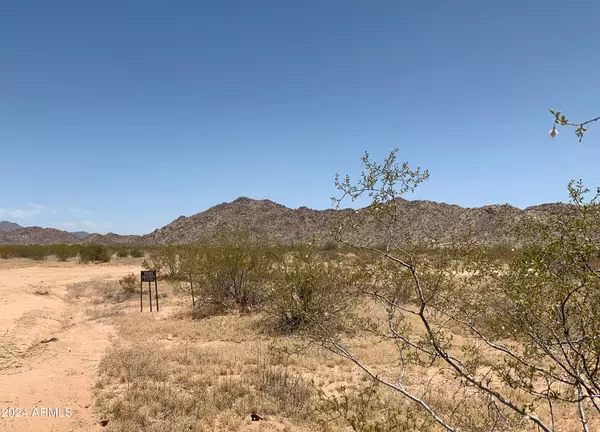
123, 115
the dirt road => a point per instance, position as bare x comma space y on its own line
45, 383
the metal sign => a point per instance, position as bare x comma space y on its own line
148, 275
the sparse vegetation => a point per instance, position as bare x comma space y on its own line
136, 253
122, 253
447, 335
194, 389
64, 252
129, 283
34, 252
165, 261
235, 274
528, 330
308, 293
94, 253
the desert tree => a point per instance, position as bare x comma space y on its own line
306, 291
520, 340
165, 261
192, 258
235, 270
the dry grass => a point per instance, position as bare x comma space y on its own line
188, 387
10, 354
173, 373
169, 372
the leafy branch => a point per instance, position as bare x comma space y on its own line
561, 120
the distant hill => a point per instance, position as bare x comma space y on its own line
37, 235
417, 221
6, 226
112, 239
81, 234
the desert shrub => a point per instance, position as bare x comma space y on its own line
529, 323
122, 253
370, 409
136, 253
36, 252
193, 260
308, 293
235, 272
129, 283
64, 252
94, 253
292, 394
165, 261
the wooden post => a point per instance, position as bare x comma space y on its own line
156, 292
192, 291
148, 276
141, 295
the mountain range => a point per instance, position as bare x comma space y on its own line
417, 221
7, 227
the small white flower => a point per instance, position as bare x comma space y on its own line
512, 250
553, 132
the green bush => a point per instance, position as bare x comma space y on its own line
122, 253
165, 260
235, 273
64, 252
136, 253
36, 252
309, 293
93, 253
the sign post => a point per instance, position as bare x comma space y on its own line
148, 276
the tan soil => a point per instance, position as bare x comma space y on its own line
58, 374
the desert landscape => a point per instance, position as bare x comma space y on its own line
261, 330
299, 216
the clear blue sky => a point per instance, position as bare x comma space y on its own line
122, 115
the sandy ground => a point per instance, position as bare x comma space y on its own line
51, 381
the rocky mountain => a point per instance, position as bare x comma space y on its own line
417, 221
112, 239
263, 216
81, 234
37, 235
6, 226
